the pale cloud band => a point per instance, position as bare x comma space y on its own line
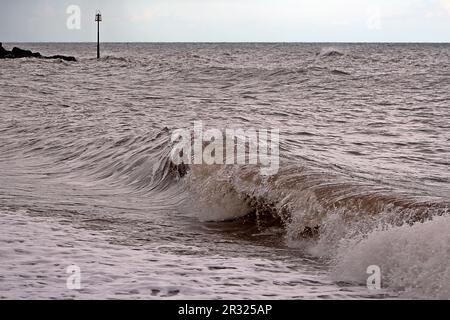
231, 20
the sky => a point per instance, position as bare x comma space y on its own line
226, 20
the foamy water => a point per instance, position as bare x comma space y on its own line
364, 179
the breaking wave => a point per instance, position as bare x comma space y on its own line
350, 225
348, 222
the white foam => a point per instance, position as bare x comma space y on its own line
212, 198
414, 260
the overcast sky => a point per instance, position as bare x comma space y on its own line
228, 20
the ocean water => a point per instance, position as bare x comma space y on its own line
364, 179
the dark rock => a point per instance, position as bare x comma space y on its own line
3, 51
17, 53
1, 48
20, 53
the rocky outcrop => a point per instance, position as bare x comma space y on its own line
17, 53
3, 52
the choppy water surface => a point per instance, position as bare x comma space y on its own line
86, 179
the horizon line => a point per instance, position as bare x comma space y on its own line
240, 42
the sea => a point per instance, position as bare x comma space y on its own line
92, 206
